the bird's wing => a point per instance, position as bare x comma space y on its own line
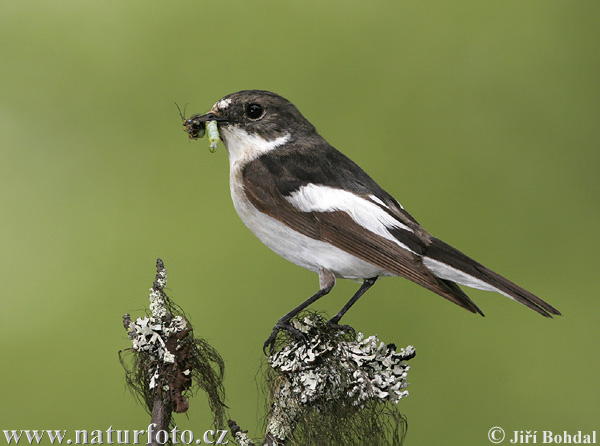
451, 264
321, 193
355, 219
317, 162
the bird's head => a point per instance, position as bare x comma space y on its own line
251, 118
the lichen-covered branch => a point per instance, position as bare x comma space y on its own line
168, 362
332, 389
328, 388
239, 436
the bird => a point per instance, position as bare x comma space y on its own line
315, 207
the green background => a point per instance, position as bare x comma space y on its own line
481, 118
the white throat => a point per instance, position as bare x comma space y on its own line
243, 147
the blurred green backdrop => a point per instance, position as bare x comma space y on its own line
487, 131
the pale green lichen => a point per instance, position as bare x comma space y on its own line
331, 386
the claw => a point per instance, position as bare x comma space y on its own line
345, 328
282, 325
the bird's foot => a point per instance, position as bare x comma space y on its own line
333, 324
282, 325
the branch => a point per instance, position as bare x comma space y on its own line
169, 363
329, 388
333, 389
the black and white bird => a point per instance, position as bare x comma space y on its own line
316, 208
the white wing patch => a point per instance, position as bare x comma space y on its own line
315, 198
381, 203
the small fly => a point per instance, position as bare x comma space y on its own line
194, 128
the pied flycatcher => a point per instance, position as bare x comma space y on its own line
316, 208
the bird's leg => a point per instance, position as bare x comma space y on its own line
368, 283
326, 282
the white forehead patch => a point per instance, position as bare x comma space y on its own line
222, 104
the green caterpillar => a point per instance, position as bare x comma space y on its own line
213, 135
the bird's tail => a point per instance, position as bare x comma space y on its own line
452, 265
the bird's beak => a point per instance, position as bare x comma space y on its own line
195, 125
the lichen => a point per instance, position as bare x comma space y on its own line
331, 378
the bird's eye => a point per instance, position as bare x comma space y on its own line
254, 111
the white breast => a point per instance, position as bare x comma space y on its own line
297, 248
289, 244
